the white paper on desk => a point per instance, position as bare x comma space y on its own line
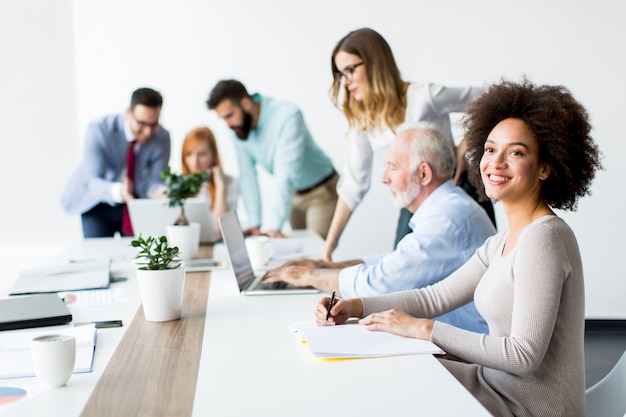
286, 249
354, 341
15, 360
300, 327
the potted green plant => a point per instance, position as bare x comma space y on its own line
179, 187
160, 277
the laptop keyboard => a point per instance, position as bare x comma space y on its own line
273, 285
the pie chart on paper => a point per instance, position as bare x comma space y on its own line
11, 394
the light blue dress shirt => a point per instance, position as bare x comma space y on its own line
104, 164
447, 229
282, 144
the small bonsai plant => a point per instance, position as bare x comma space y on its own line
155, 254
179, 187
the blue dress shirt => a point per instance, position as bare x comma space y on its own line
447, 229
104, 164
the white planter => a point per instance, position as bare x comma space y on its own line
187, 238
161, 293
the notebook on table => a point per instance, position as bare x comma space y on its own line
150, 217
73, 276
250, 283
33, 311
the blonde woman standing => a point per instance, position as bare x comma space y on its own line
369, 90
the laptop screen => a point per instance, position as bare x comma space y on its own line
232, 234
151, 216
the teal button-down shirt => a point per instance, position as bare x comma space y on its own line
282, 144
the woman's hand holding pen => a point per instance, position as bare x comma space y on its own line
340, 312
392, 321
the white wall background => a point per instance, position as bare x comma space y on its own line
66, 62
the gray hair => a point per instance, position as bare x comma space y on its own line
430, 146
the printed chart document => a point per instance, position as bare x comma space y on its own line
94, 298
354, 341
15, 361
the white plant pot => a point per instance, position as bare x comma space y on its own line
187, 238
161, 293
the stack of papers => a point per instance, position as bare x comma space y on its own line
355, 341
15, 357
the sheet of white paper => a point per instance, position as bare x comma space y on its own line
286, 249
354, 341
15, 358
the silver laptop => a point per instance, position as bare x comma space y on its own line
33, 311
150, 217
249, 282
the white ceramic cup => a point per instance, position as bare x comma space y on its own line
260, 250
53, 358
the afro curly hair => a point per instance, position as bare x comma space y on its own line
560, 125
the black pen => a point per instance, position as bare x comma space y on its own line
330, 305
103, 324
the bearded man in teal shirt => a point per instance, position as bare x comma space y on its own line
272, 133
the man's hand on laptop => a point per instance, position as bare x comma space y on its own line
159, 192
290, 273
274, 233
301, 274
127, 190
308, 263
256, 231
252, 231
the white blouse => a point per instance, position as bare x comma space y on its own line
428, 103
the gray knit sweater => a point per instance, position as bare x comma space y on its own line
532, 361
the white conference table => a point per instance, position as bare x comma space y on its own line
252, 365
247, 362
70, 400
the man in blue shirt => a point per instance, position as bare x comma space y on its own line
272, 133
101, 186
447, 228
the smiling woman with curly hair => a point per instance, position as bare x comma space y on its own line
530, 149
560, 125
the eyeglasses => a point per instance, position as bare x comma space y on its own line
142, 125
347, 73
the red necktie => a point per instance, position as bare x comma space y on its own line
127, 227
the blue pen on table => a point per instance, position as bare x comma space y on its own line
330, 305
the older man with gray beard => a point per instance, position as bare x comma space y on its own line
447, 227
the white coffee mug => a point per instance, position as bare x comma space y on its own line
53, 358
260, 250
